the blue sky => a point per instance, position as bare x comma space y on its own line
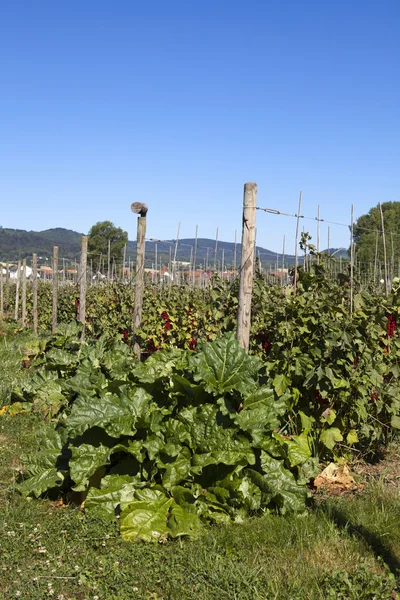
179, 103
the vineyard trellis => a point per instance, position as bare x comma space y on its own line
83, 272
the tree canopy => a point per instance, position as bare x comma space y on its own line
368, 234
103, 232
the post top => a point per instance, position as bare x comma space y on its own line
139, 208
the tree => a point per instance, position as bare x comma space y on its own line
101, 234
369, 240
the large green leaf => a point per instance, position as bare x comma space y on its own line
46, 467
159, 366
181, 522
85, 461
117, 415
261, 412
285, 492
145, 520
114, 489
176, 470
40, 482
223, 366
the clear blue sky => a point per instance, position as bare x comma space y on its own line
179, 103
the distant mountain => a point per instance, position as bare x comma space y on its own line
17, 244
206, 256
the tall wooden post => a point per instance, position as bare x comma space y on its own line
234, 256
82, 297
35, 293
123, 263
7, 288
23, 316
296, 244
1, 293
175, 251
17, 291
216, 249
384, 251
247, 264
195, 256
141, 210
109, 260
55, 288
351, 260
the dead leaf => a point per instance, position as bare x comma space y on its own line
336, 478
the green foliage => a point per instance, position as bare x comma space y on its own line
171, 444
103, 233
366, 227
341, 372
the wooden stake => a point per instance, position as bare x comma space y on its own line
35, 293
7, 288
247, 265
234, 254
141, 209
351, 260
55, 288
82, 296
318, 231
23, 319
215, 250
195, 256
109, 261
384, 251
17, 291
1, 292
176, 250
297, 243
283, 258
376, 257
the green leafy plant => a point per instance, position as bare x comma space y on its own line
171, 444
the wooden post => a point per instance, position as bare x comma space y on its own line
247, 265
23, 317
351, 260
296, 244
1, 292
7, 288
175, 251
283, 258
109, 260
195, 256
392, 266
17, 291
123, 263
234, 254
215, 250
82, 296
318, 232
384, 251
35, 293
140, 209
55, 288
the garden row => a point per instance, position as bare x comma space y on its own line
200, 431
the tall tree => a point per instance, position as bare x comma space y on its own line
101, 234
368, 235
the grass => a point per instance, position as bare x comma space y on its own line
345, 548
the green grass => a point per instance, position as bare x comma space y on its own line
347, 548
